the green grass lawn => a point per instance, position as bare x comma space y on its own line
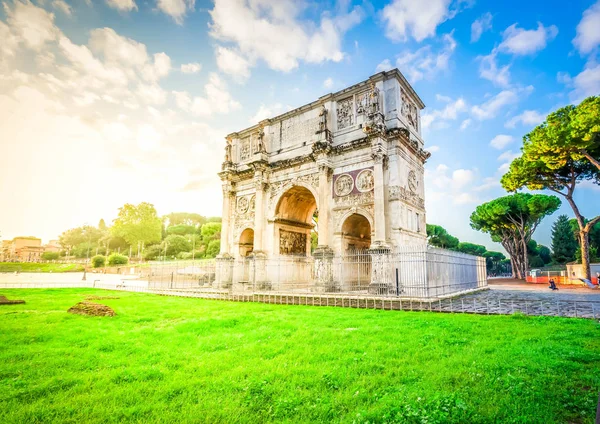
168, 359
39, 267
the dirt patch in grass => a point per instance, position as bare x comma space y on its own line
5, 301
92, 297
92, 309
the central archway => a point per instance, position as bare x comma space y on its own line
294, 221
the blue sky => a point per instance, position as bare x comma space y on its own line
112, 101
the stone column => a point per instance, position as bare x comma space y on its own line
259, 274
224, 262
325, 172
225, 222
381, 267
379, 192
259, 213
323, 254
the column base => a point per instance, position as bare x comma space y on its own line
381, 269
324, 278
224, 264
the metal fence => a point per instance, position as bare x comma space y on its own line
410, 272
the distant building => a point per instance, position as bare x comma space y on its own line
22, 249
52, 246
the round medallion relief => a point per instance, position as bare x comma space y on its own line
365, 181
413, 183
344, 184
242, 204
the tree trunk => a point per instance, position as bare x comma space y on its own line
513, 268
525, 258
584, 241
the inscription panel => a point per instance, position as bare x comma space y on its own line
298, 130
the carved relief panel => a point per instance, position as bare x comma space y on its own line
292, 243
344, 184
245, 149
353, 182
362, 103
409, 111
345, 113
365, 181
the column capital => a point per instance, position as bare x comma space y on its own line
228, 189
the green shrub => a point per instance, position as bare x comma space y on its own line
50, 256
198, 254
98, 261
213, 248
153, 252
116, 259
176, 244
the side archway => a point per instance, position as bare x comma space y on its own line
246, 242
356, 232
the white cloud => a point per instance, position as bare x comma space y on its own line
433, 149
442, 98
462, 177
508, 156
151, 93
455, 187
465, 124
95, 97
588, 30
480, 25
62, 6
528, 118
519, 41
488, 69
587, 83
501, 141
232, 63
122, 5
424, 63
385, 65
465, 199
268, 111
328, 83
117, 49
417, 19
31, 24
177, 9
217, 99
191, 68
504, 168
148, 138
491, 108
276, 33
449, 113
182, 99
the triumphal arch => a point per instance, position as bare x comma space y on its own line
346, 170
